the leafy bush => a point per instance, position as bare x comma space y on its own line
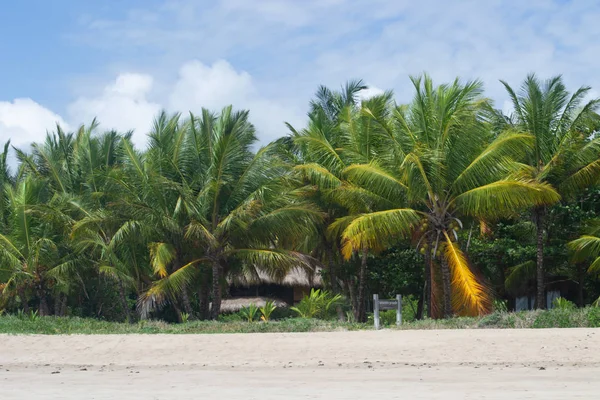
500, 305
231, 317
593, 317
185, 317
249, 313
563, 304
283, 313
318, 304
557, 318
267, 310
31, 316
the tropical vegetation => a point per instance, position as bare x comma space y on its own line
445, 200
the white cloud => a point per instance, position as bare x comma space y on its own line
219, 85
370, 91
24, 121
123, 105
295, 46
131, 102
212, 87
278, 51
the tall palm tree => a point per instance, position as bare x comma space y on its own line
565, 152
438, 165
77, 167
212, 205
338, 134
29, 246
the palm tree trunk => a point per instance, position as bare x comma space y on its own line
187, 305
24, 301
217, 270
351, 292
204, 296
124, 304
580, 278
360, 313
333, 278
420, 304
43, 310
428, 287
57, 304
540, 298
63, 306
446, 287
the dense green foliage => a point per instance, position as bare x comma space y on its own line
444, 200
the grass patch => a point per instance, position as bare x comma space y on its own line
556, 318
74, 325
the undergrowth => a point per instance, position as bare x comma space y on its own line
555, 318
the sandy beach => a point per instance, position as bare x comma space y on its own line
448, 364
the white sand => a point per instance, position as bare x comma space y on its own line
465, 364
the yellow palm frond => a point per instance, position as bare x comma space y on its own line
469, 296
161, 255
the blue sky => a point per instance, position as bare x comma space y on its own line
68, 61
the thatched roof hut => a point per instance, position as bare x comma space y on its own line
236, 304
288, 289
297, 277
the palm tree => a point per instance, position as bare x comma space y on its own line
438, 165
338, 134
565, 152
29, 247
78, 168
209, 205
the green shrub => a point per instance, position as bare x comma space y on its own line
231, 317
283, 313
318, 304
593, 317
185, 317
267, 310
500, 305
555, 318
249, 313
563, 304
491, 320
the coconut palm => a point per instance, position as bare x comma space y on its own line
338, 134
438, 164
211, 207
565, 152
29, 246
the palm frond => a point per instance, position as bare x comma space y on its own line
505, 197
161, 255
469, 295
519, 275
378, 230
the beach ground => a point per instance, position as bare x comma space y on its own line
388, 364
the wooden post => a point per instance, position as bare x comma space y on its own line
399, 310
376, 311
